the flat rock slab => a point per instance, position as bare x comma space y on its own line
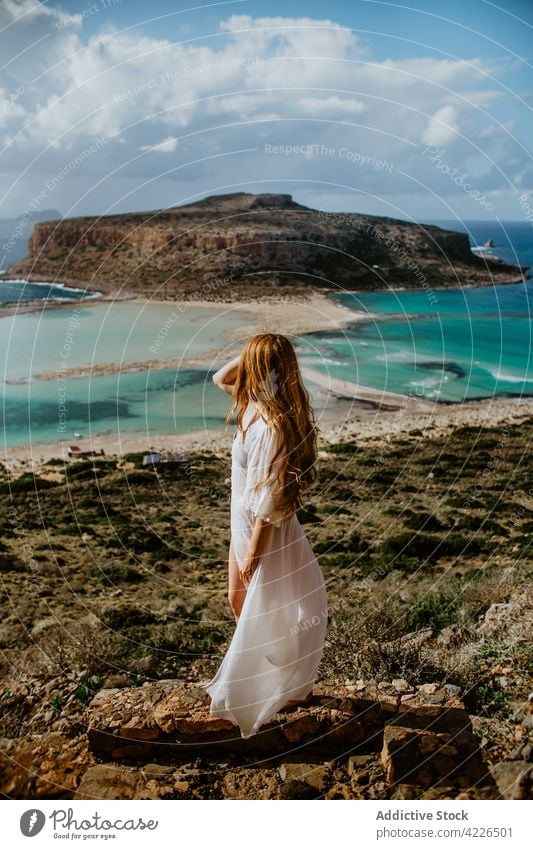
172, 716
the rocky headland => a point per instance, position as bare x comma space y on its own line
237, 246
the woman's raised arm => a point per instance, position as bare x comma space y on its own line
226, 376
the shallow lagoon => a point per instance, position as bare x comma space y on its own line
470, 343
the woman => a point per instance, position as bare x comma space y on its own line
276, 588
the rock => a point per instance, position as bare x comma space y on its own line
423, 744
377, 790
251, 783
61, 762
312, 774
107, 781
513, 778
450, 636
362, 777
356, 685
44, 625
209, 241
402, 686
143, 665
342, 791
301, 727
141, 721
116, 681
181, 786
357, 762
452, 690
527, 752
295, 789
176, 713
426, 758
428, 688
10, 633
498, 616
515, 754
405, 791
389, 703
157, 770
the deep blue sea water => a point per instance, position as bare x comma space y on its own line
22, 290
513, 240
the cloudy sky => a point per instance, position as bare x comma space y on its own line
382, 107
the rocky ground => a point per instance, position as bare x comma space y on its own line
114, 595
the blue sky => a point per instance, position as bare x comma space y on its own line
420, 110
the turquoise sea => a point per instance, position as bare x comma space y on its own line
460, 344
175, 399
468, 343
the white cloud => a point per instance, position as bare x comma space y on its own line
332, 106
275, 80
442, 127
166, 146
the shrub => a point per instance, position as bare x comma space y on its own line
423, 522
133, 478
368, 640
434, 610
118, 572
28, 482
351, 543
135, 457
342, 448
429, 547
307, 514
84, 469
88, 688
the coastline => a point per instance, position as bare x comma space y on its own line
365, 420
99, 297
349, 410
292, 316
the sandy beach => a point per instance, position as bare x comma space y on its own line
293, 317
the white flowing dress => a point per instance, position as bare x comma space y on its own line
279, 639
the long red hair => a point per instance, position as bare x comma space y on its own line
269, 376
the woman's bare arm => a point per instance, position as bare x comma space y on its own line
258, 539
226, 376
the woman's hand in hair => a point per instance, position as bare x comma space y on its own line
225, 378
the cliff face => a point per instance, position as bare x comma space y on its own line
228, 246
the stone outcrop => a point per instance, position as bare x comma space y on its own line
357, 740
43, 766
418, 736
229, 246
